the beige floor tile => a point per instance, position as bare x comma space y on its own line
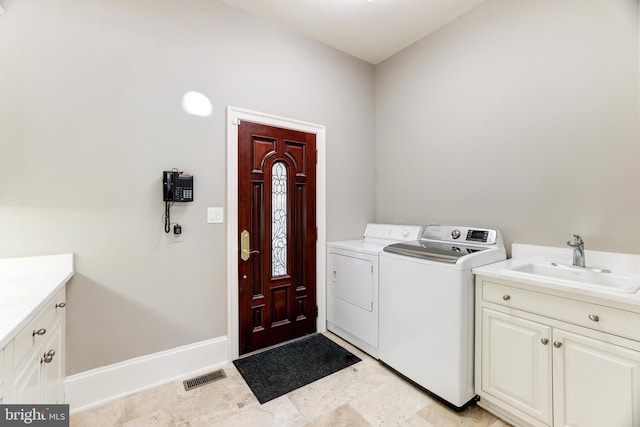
344, 416
416, 421
120, 411
438, 415
391, 403
278, 412
149, 401
170, 404
219, 400
157, 419
329, 393
110, 414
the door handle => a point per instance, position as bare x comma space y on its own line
245, 242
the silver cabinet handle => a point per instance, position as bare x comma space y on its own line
544, 341
48, 356
557, 344
506, 297
594, 317
40, 331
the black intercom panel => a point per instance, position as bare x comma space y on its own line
177, 186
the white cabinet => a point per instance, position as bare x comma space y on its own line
595, 383
553, 360
38, 369
517, 363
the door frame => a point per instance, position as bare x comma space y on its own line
234, 115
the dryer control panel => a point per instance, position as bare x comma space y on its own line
392, 232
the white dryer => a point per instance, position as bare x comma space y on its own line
352, 283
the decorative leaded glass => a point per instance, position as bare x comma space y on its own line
279, 219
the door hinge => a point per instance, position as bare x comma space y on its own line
316, 311
236, 122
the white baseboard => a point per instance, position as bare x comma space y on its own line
98, 386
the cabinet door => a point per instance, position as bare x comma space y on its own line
26, 384
595, 383
52, 368
516, 363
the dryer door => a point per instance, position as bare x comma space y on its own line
351, 279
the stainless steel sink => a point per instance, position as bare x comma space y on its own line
580, 277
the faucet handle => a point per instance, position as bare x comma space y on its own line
576, 241
576, 238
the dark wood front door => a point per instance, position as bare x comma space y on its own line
277, 235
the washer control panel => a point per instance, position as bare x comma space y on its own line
462, 234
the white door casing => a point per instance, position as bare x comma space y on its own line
234, 115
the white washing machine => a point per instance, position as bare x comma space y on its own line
352, 283
427, 307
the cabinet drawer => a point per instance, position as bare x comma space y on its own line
594, 316
36, 331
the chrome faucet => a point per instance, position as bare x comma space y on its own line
577, 244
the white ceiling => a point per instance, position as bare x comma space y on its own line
369, 30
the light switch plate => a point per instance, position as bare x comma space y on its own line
215, 215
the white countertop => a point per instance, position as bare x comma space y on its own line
25, 286
525, 254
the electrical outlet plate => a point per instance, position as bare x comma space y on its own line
177, 237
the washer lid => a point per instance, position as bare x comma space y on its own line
435, 251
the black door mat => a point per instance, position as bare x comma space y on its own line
278, 371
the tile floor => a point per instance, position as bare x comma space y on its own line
364, 394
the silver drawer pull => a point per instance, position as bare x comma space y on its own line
48, 356
544, 341
40, 331
594, 317
61, 305
557, 344
506, 297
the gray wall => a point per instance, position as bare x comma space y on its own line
521, 115
90, 116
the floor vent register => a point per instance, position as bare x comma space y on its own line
204, 379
